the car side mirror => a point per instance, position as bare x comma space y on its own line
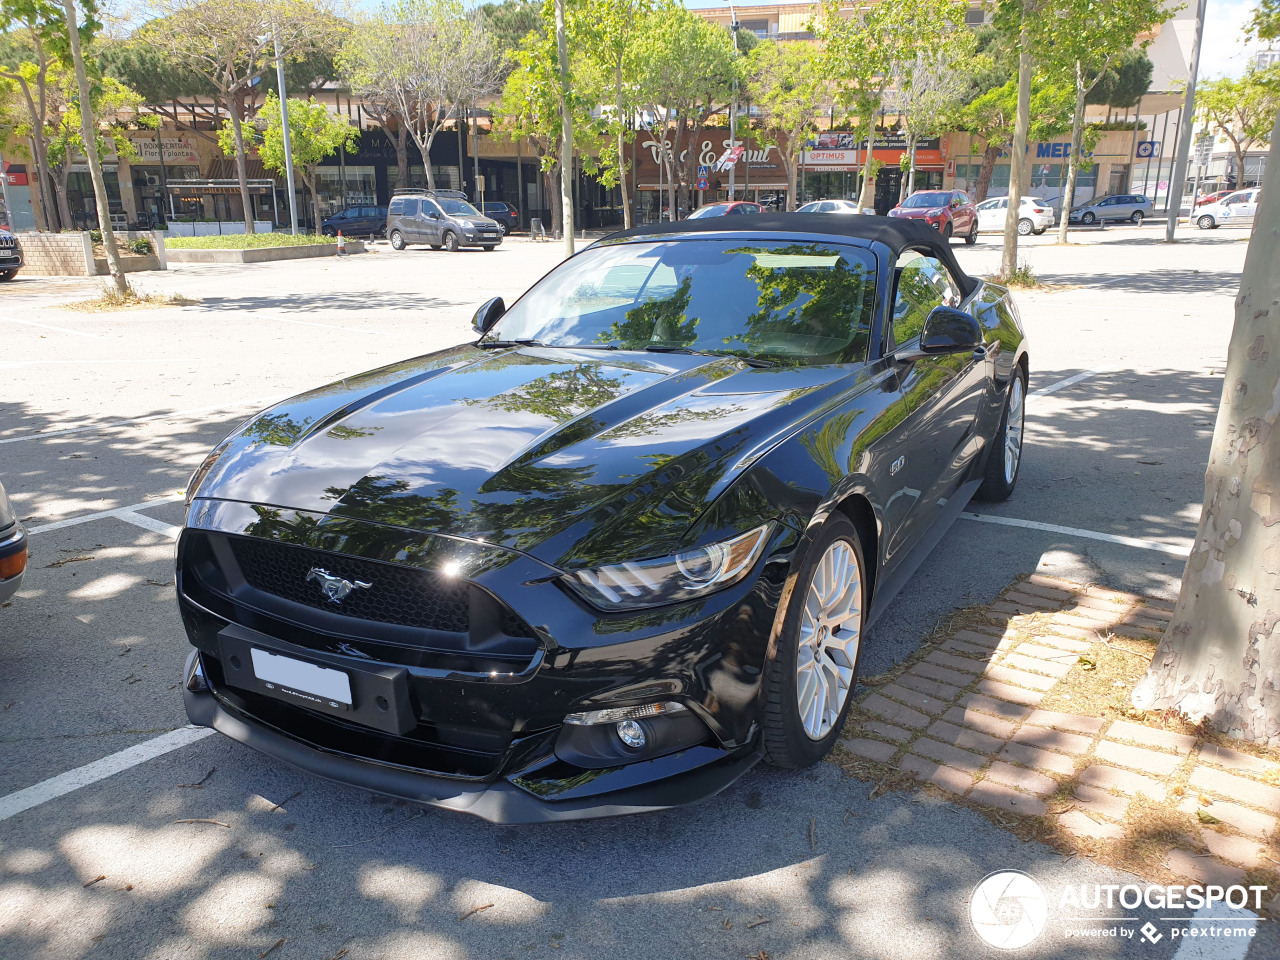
946, 331
490, 312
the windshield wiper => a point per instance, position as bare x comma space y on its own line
666, 348
494, 344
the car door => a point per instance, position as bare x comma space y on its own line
963, 212
432, 222
943, 396
1247, 208
991, 213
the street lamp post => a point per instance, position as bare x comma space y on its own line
288, 148
733, 104
1173, 199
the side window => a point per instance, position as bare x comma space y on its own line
429, 207
396, 208
922, 284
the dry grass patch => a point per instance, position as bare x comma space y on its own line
111, 300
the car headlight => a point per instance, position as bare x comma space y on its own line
202, 471
685, 576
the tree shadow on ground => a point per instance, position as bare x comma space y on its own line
1154, 281
354, 301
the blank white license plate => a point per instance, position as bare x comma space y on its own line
298, 675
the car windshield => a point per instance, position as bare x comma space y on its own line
926, 200
754, 298
710, 210
457, 208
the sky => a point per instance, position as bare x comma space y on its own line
1223, 50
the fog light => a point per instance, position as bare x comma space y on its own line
632, 734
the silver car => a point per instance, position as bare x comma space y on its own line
1123, 206
833, 206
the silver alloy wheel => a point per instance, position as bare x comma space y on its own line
1024, 227
830, 632
1013, 431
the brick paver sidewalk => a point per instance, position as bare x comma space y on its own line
965, 716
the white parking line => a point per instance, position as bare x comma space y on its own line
1209, 944
128, 514
150, 523
45, 434
108, 766
46, 326
1173, 549
1068, 382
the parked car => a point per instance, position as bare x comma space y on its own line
626, 543
1214, 197
503, 214
950, 212
833, 206
13, 549
1122, 206
10, 255
725, 208
439, 218
356, 222
1035, 216
1239, 207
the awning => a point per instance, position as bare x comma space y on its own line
204, 188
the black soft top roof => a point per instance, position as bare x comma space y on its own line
896, 234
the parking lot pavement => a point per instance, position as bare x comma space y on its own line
104, 416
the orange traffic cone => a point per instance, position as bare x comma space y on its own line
342, 245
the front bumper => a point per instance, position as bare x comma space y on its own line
495, 746
13, 553
682, 778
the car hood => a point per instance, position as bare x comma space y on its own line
575, 457
916, 211
479, 223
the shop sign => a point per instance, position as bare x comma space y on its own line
177, 151
16, 179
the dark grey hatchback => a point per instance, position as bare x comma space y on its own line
439, 219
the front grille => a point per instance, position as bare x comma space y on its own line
397, 595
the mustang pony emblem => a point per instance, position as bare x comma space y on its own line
335, 588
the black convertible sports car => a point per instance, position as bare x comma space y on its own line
623, 546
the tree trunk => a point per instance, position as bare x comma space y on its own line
234, 106
866, 168
1073, 162
309, 178
401, 142
1219, 661
622, 157
551, 178
1239, 166
988, 166
424, 149
566, 128
88, 131
909, 181
1009, 259
64, 206
791, 165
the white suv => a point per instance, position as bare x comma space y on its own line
1238, 207
1036, 215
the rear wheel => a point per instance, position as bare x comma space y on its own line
1206, 222
1025, 228
810, 678
451, 241
972, 236
397, 240
1136, 217
1005, 458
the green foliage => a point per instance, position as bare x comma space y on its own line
140, 245
510, 21
1264, 24
315, 134
244, 241
789, 85
1124, 82
991, 116
144, 68
1243, 109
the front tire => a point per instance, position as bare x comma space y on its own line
1207, 223
1088, 218
451, 242
809, 680
1136, 217
1005, 458
397, 240
946, 233
1025, 227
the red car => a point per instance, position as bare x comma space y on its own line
1212, 197
724, 208
950, 212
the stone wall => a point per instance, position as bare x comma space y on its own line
71, 254
57, 254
